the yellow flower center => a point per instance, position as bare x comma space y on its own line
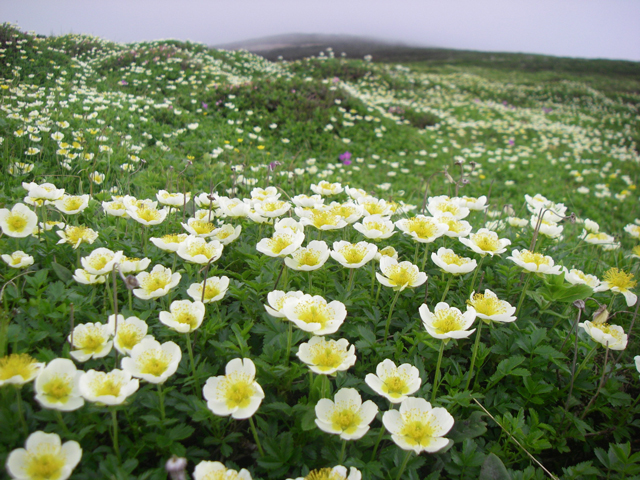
609, 330
128, 335
312, 312
327, 355
153, 362
221, 474
308, 257
17, 364
279, 242
58, 388
487, 242
91, 339
148, 214
73, 203
487, 304
597, 236
374, 208
320, 218
423, 228
529, 257
454, 225
45, 464
16, 222
388, 251
395, 385
107, 385
344, 211
237, 390
77, 234
173, 238
451, 258
323, 474
619, 278
417, 431
99, 260
401, 275
201, 227
447, 320
636, 250
448, 208
201, 248
156, 281
346, 417
183, 314
273, 206
210, 291
353, 254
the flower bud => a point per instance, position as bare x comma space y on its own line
579, 304
601, 315
176, 468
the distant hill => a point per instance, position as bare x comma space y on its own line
297, 45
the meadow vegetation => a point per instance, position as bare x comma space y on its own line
327, 268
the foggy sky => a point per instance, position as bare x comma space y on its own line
575, 28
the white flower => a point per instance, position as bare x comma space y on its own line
185, 316
173, 199
276, 301
198, 250
309, 258
394, 383
153, 362
457, 228
128, 332
346, 415
271, 207
326, 188
44, 191
447, 322
111, 388
633, 230
438, 206
18, 369
399, 275
386, 252
612, 336
619, 281
18, 259
351, 255
101, 261
578, 277
421, 228
216, 288
156, 283
44, 457
471, 203
236, 393
199, 227
486, 242
336, 473
450, 262
133, 265
313, 314
72, 204
74, 236
281, 244
147, 214
18, 222
169, 243
417, 426
86, 278
535, 262
206, 470
57, 386
226, 233
491, 309
322, 218
375, 227
90, 340
325, 357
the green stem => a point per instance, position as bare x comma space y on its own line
524, 292
446, 289
23, 422
255, 436
415, 254
436, 381
602, 380
352, 274
475, 275
325, 386
404, 464
375, 448
586, 359
161, 401
289, 342
424, 257
196, 382
373, 277
388, 324
473, 355
342, 451
62, 423
310, 283
116, 447
130, 299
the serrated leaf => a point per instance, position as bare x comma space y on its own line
493, 469
62, 272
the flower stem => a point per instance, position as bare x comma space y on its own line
289, 342
602, 380
415, 254
437, 376
524, 292
352, 274
23, 422
375, 448
342, 451
446, 289
310, 283
586, 359
373, 277
473, 355
475, 275
573, 364
424, 257
388, 324
116, 447
161, 401
196, 382
255, 436
325, 385
404, 464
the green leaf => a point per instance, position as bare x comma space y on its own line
493, 469
63, 273
472, 427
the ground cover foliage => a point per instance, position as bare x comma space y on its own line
223, 134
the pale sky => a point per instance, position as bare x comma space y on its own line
573, 28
